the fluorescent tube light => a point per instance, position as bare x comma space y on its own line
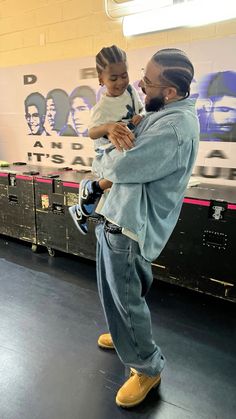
193, 13
115, 8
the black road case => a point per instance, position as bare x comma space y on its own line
55, 192
17, 206
200, 253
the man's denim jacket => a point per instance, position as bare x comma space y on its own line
149, 181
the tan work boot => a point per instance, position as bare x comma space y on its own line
105, 341
136, 389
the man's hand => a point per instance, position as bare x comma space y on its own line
120, 136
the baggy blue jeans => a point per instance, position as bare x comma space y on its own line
124, 278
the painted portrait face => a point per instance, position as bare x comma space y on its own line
33, 119
50, 113
80, 115
223, 114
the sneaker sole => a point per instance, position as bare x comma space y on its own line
76, 222
105, 346
128, 405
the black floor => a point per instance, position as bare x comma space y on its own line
51, 367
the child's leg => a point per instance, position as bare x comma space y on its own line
89, 193
79, 219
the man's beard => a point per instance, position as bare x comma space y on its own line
155, 104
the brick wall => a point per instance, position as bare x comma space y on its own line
33, 31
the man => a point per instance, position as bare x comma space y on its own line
82, 99
35, 109
141, 210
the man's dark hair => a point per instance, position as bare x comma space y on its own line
177, 71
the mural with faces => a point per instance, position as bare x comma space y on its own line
35, 110
82, 99
57, 114
216, 106
60, 114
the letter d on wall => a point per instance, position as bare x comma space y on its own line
30, 79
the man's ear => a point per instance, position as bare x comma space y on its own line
171, 92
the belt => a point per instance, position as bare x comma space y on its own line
112, 228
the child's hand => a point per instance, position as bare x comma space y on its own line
120, 136
136, 119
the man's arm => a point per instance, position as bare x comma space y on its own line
117, 132
110, 128
154, 156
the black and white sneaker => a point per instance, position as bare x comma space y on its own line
79, 219
88, 196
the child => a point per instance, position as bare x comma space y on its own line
121, 103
